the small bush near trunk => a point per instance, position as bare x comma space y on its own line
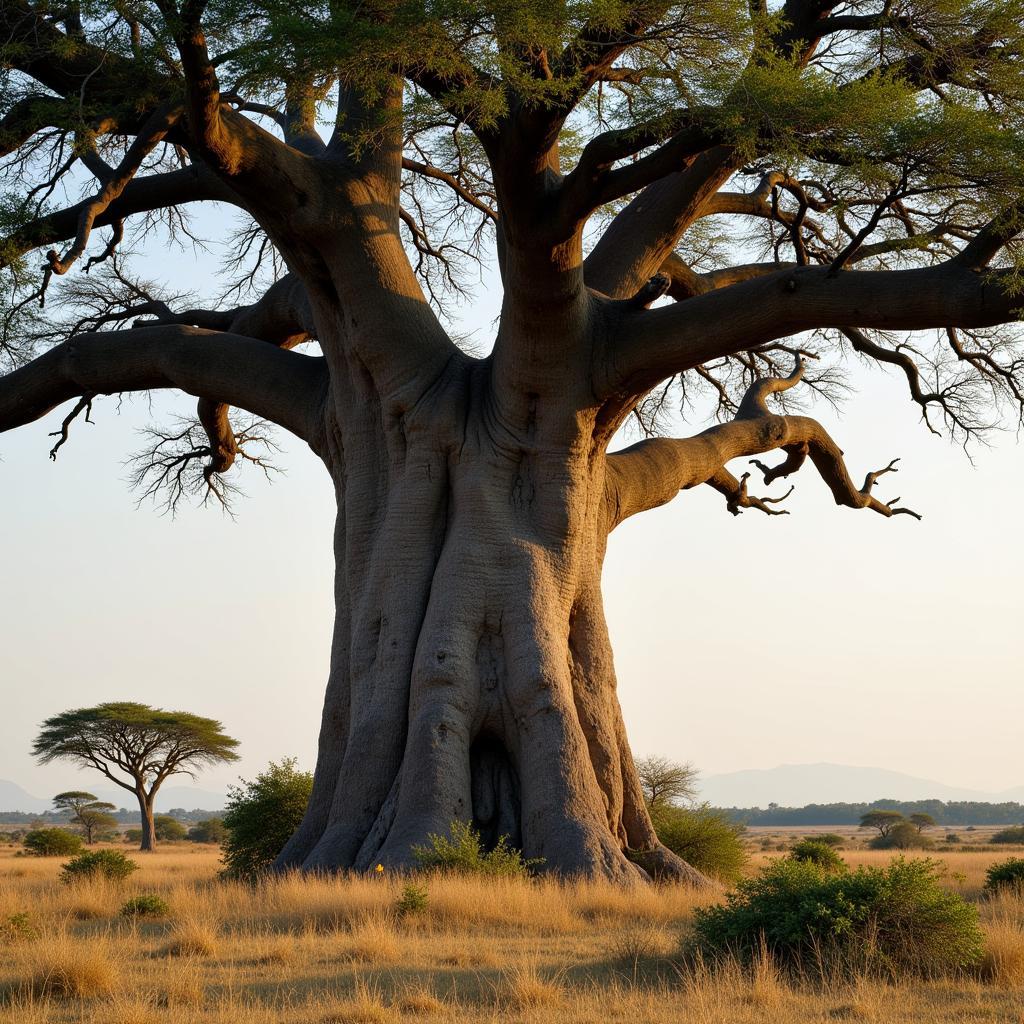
462, 852
890, 921
705, 838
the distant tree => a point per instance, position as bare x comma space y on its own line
666, 782
921, 821
89, 814
168, 829
209, 831
884, 821
146, 744
261, 816
901, 836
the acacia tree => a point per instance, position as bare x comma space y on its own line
91, 815
666, 782
682, 194
135, 746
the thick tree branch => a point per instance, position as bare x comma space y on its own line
652, 345
281, 386
652, 472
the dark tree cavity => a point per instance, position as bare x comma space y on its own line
725, 198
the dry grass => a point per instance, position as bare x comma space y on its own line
312, 951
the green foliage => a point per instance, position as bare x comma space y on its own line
413, 900
112, 865
1010, 835
155, 742
704, 837
147, 905
168, 829
821, 854
211, 830
952, 837
892, 921
921, 821
666, 782
1007, 874
828, 838
52, 842
133, 836
462, 852
261, 816
901, 836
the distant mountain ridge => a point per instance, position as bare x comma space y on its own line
796, 785
14, 798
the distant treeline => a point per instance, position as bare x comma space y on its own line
123, 816
956, 812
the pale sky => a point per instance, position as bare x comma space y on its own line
827, 635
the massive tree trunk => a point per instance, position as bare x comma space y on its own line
471, 675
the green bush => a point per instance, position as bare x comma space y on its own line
902, 836
1007, 874
703, 837
133, 836
892, 921
261, 816
828, 838
462, 852
412, 901
112, 865
52, 842
211, 830
146, 905
951, 837
1010, 835
813, 852
168, 829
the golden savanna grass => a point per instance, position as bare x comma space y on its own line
336, 950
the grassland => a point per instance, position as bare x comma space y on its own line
337, 952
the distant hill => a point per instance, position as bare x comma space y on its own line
14, 798
795, 785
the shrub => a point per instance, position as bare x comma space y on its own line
462, 852
828, 838
211, 830
952, 837
703, 837
813, 852
1010, 835
261, 817
133, 836
902, 836
112, 865
52, 842
168, 829
413, 900
1007, 874
146, 905
893, 921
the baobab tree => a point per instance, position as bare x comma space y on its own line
677, 195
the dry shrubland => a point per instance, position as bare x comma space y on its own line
336, 950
